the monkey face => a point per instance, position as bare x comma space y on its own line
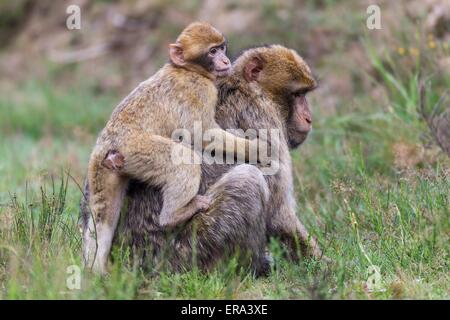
219, 62
201, 48
299, 122
214, 61
285, 78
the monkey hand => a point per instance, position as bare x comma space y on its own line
265, 163
113, 160
201, 203
260, 147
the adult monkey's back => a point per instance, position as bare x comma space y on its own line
267, 90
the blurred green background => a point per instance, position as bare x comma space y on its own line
372, 180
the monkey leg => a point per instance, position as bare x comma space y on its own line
155, 160
114, 160
234, 224
85, 211
288, 228
107, 190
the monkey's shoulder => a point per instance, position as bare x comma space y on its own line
171, 86
186, 81
175, 96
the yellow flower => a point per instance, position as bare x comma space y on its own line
353, 221
432, 44
401, 51
414, 51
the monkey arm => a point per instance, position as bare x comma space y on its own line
224, 142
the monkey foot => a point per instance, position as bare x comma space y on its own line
266, 264
326, 259
318, 254
114, 160
201, 203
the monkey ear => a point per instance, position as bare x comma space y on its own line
176, 54
253, 68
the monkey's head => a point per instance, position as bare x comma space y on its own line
201, 48
285, 78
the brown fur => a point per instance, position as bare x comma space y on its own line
237, 199
265, 104
198, 36
140, 129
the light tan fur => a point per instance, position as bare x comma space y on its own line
140, 129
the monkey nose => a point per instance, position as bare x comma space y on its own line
226, 61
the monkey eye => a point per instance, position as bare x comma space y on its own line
300, 92
213, 51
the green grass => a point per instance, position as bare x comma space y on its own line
367, 204
362, 210
40, 110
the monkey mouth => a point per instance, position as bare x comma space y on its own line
223, 72
297, 139
293, 144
